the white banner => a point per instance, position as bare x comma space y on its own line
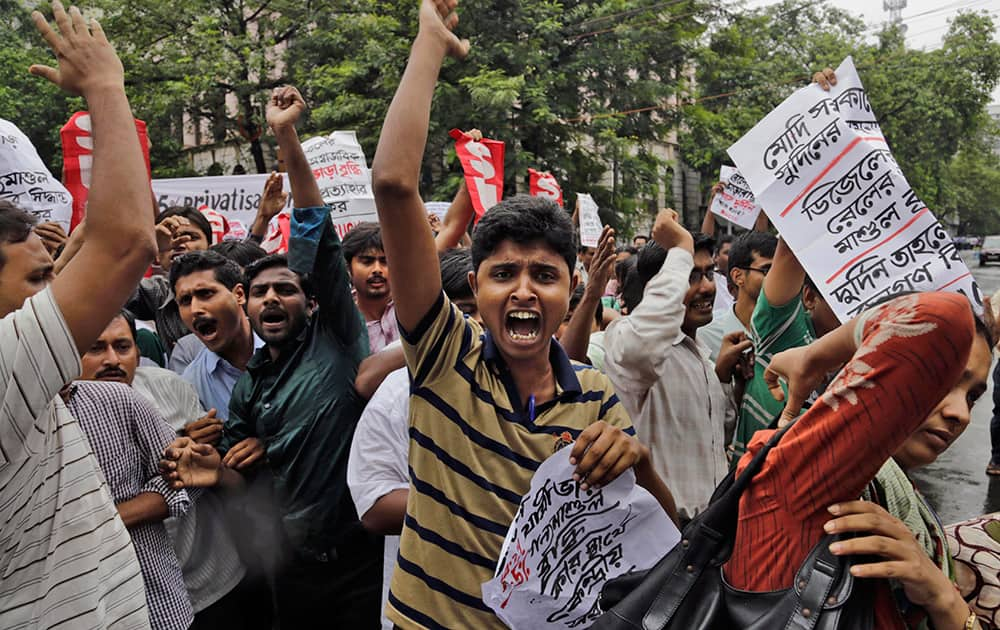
565, 543
345, 182
822, 170
26, 182
337, 161
232, 196
590, 221
735, 202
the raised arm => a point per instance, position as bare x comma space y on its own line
409, 243
636, 344
708, 223
119, 244
575, 339
283, 111
456, 220
313, 247
760, 225
902, 358
784, 282
272, 202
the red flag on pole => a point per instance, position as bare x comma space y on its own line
482, 163
78, 157
543, 184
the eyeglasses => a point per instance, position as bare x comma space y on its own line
763, 270
697, 275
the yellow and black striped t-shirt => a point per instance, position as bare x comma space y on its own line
473, 451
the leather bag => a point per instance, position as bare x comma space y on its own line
686, 590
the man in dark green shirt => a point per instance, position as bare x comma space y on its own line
297, 397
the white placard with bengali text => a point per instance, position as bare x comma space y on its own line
735, 202
26, 182
822, 170
345, 183
565, 543
590, 221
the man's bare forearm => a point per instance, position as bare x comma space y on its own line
305, 190
145, 507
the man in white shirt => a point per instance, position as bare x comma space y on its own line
662, 375
68, 559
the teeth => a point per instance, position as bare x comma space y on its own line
522, 315
519, 337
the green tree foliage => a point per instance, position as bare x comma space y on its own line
207, 60
971, 183
543, 76
37, 107
930, 103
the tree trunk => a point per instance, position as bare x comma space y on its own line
258, 155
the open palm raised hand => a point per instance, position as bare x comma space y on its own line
87, 61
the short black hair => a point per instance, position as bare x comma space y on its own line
632, 287
703, 242
227, 272
15, 225
722, 240
455, 267
622, 268
599, 313
741, 253
649, 261
192, 215
812, 285
361, 238
652, 256
576, 296
130, 320
240, 252
255, 268
524, 219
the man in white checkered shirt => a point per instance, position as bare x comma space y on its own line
65, 556
128, 436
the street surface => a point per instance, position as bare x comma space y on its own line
957, 484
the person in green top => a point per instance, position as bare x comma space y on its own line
789, 313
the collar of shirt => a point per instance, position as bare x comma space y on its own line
695, 346
262, 356
561, 366
212, 360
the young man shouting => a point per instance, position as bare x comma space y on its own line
486, 407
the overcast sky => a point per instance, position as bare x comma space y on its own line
926, 20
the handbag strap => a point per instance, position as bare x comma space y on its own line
715, 529
813, 584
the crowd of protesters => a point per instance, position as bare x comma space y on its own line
341, 435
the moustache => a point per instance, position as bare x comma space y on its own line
111, 372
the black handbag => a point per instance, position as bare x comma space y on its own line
686, 590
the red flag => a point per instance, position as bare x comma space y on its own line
218, 222
543, 184
278, 233
78, 157
482, 163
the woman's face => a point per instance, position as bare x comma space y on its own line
951, 416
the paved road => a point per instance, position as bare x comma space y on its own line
957, 485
